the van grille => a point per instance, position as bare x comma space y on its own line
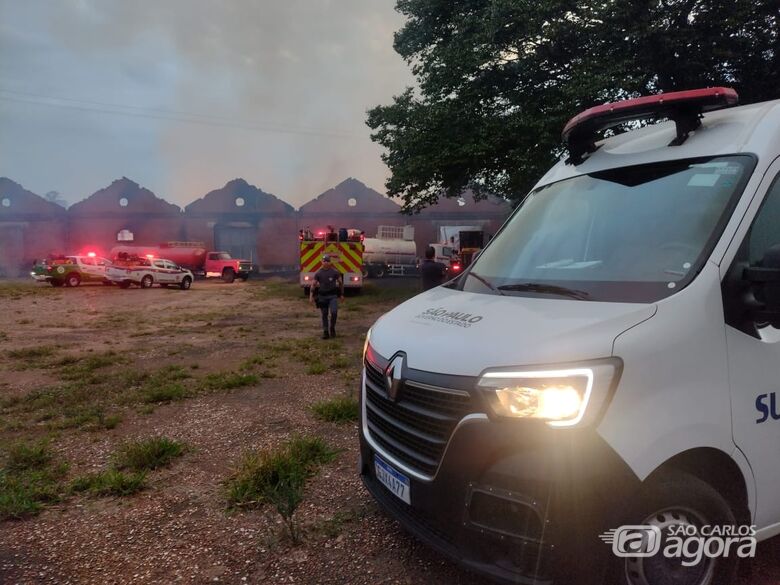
416, 429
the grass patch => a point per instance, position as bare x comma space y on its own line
29, 479
83, 369
316, 368
148, 454
109, 483
277, 477
341, 409
32, 353
226, 381
165, 392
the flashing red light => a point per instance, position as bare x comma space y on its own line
307, 278
456, 266
683, 107
91, 254
150, 256
354, 279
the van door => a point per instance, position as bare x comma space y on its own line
754, 360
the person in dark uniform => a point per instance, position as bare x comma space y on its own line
432, 272
329, 285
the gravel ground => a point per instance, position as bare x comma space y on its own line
178, 529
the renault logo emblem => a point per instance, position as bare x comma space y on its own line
394, 377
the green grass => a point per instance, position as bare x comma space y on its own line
109, 483
165, 392
316, 368
85, 368
147, 454
164, 385
261, 476
277, 477
29, 479
32, 353
226, 381
27, 456
341, 409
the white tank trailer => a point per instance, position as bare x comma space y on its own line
390, 254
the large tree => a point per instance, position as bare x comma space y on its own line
497, 79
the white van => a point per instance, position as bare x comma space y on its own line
595, 400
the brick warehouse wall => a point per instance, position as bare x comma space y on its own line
239, 217
30, 228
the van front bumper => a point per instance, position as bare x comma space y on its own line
516, 501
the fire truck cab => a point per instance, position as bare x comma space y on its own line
345, 248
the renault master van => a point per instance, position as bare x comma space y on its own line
597, 398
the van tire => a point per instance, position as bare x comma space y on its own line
73, 280
147, 281
671, 495
186, 283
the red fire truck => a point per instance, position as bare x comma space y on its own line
345, 248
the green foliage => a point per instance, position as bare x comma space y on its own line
277, 477
31, 353
341, 409
29, 479
498, 79
109, 483
147, 454
226, 381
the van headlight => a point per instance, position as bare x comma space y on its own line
562, 397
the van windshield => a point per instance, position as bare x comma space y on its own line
633, 234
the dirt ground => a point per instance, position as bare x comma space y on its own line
97, 339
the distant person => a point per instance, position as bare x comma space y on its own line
329, 286
432, 272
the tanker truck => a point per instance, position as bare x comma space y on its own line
193, 256
393, 252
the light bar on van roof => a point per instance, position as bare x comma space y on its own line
684, 107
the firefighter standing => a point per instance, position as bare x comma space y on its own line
329, 284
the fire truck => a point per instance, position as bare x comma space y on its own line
345, 248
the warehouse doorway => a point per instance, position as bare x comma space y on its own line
240, 240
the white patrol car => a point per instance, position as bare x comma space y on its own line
147, 273
605, 377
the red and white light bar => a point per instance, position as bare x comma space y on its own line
684, 107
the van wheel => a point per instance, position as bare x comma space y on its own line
186, 283
73, 280
147, 281
228, 275
672, 501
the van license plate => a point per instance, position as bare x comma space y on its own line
396, 482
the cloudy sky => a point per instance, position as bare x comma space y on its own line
184, 95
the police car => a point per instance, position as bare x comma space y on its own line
604, 378
147, 272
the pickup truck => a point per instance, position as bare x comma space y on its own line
148, 272
71, 270
194, 256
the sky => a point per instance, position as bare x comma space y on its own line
182, 96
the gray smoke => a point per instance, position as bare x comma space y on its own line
273, 91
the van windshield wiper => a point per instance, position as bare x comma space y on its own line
485, 282
552, 289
